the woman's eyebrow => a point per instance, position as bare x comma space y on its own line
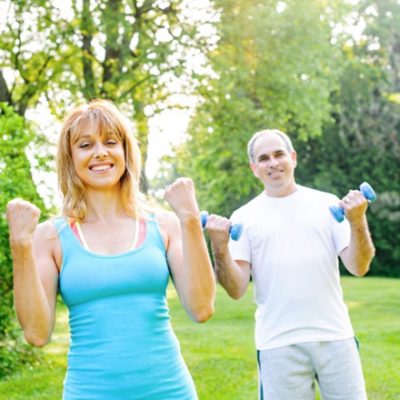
77, 138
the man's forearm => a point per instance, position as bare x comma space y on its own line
230, 275
361, 248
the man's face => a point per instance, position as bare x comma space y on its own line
274, 165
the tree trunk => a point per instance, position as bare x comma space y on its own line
5, 95
142, 126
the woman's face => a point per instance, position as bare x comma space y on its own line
99, 160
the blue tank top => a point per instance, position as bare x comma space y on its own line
122, 344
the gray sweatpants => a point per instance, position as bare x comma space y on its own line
290, 372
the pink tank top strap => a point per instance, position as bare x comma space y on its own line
140, 239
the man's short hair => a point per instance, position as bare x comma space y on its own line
257, 135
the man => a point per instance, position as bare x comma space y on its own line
290, 246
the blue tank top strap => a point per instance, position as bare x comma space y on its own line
153, 232
60, 223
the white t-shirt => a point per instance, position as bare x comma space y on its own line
292, 244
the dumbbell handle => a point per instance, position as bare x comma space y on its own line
235, 231
367, 191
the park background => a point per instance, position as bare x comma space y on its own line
196, 79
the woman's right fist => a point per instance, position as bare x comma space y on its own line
22, 218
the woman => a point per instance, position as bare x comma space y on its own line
111, 259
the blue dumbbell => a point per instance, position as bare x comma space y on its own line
368, 193
235, 231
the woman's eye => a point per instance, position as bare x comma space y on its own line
84, 145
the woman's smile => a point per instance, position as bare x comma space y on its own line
99, 168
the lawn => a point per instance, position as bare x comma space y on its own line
221, 355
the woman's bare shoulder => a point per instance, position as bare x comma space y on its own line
165, 218
47, 229
47, 242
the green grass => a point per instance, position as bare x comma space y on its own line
221, 355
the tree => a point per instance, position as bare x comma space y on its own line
31, 38
274, 66
15, 181
363, 143
341, 110
25, 70
131, 52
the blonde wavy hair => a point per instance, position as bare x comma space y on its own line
107, 120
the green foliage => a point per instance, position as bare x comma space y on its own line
329, 164
363, 143
274, 68
15, 181
335, 96
132, 53
31, 35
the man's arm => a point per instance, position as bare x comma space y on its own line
357, 256
233, 275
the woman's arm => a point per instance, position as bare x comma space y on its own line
35, 270
187, 253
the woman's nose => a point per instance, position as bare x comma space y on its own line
100, 150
